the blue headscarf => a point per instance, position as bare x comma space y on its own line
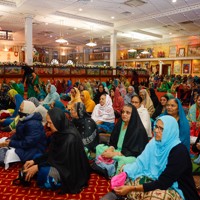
153, 160
59, 104
184, 126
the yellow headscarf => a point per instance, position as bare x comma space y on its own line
12, 93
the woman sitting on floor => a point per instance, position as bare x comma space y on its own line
143, 113
103, 114
162, 171
65, 165
175, 109
146, 101
86, 127
88, 102
52, 95
29, 138
127, 141
17, 99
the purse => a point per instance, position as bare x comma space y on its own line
118, 180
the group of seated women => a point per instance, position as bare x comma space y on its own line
161, 165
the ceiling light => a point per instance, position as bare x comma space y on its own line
132, 50
80, 9
112, 17
173, 1
61, 40
91, 43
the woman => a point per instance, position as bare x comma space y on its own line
194, 112
40, 94
161, 106
101, 90
129, 94
52, 95
58, 104
162, 171
4, 97
87, 100
65, 165
103, 114
143, 113
75, 97
127, 140
196, 159
86, 126
17, 99
117, 100
30, 138
175, 109
31, 79
146, 101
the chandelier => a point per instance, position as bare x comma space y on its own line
132, 50
61, 39
91, 43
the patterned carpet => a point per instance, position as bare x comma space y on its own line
98, 186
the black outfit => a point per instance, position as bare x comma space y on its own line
153, 97
157, 112
194, 146
66, 154
86, 127
135, 138
179, 168
98, 95
5, 101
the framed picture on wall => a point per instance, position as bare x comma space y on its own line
186, 68
194, 50
177, 68
172, 51
181, 52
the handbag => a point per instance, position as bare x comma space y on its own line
118, 180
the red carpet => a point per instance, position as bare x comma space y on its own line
98, 186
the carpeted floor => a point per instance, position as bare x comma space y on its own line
98, 186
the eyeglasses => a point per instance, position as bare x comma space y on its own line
159, 128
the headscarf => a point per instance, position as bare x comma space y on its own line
59, 104
153, 160
67, 155
34, 100
184, 127
147, 102
51, 96
88, 102
104, 113
43, 111
153, 97
128, 96
118, 101
18, 100
12, 93
86, 127
75, 99
135, 138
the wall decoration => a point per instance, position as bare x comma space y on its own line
194, 50
181, 52
172, 51
196, 67
186, 68
177, 67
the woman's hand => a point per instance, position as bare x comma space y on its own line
5, 144
123, 190
28, 164
30, 172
